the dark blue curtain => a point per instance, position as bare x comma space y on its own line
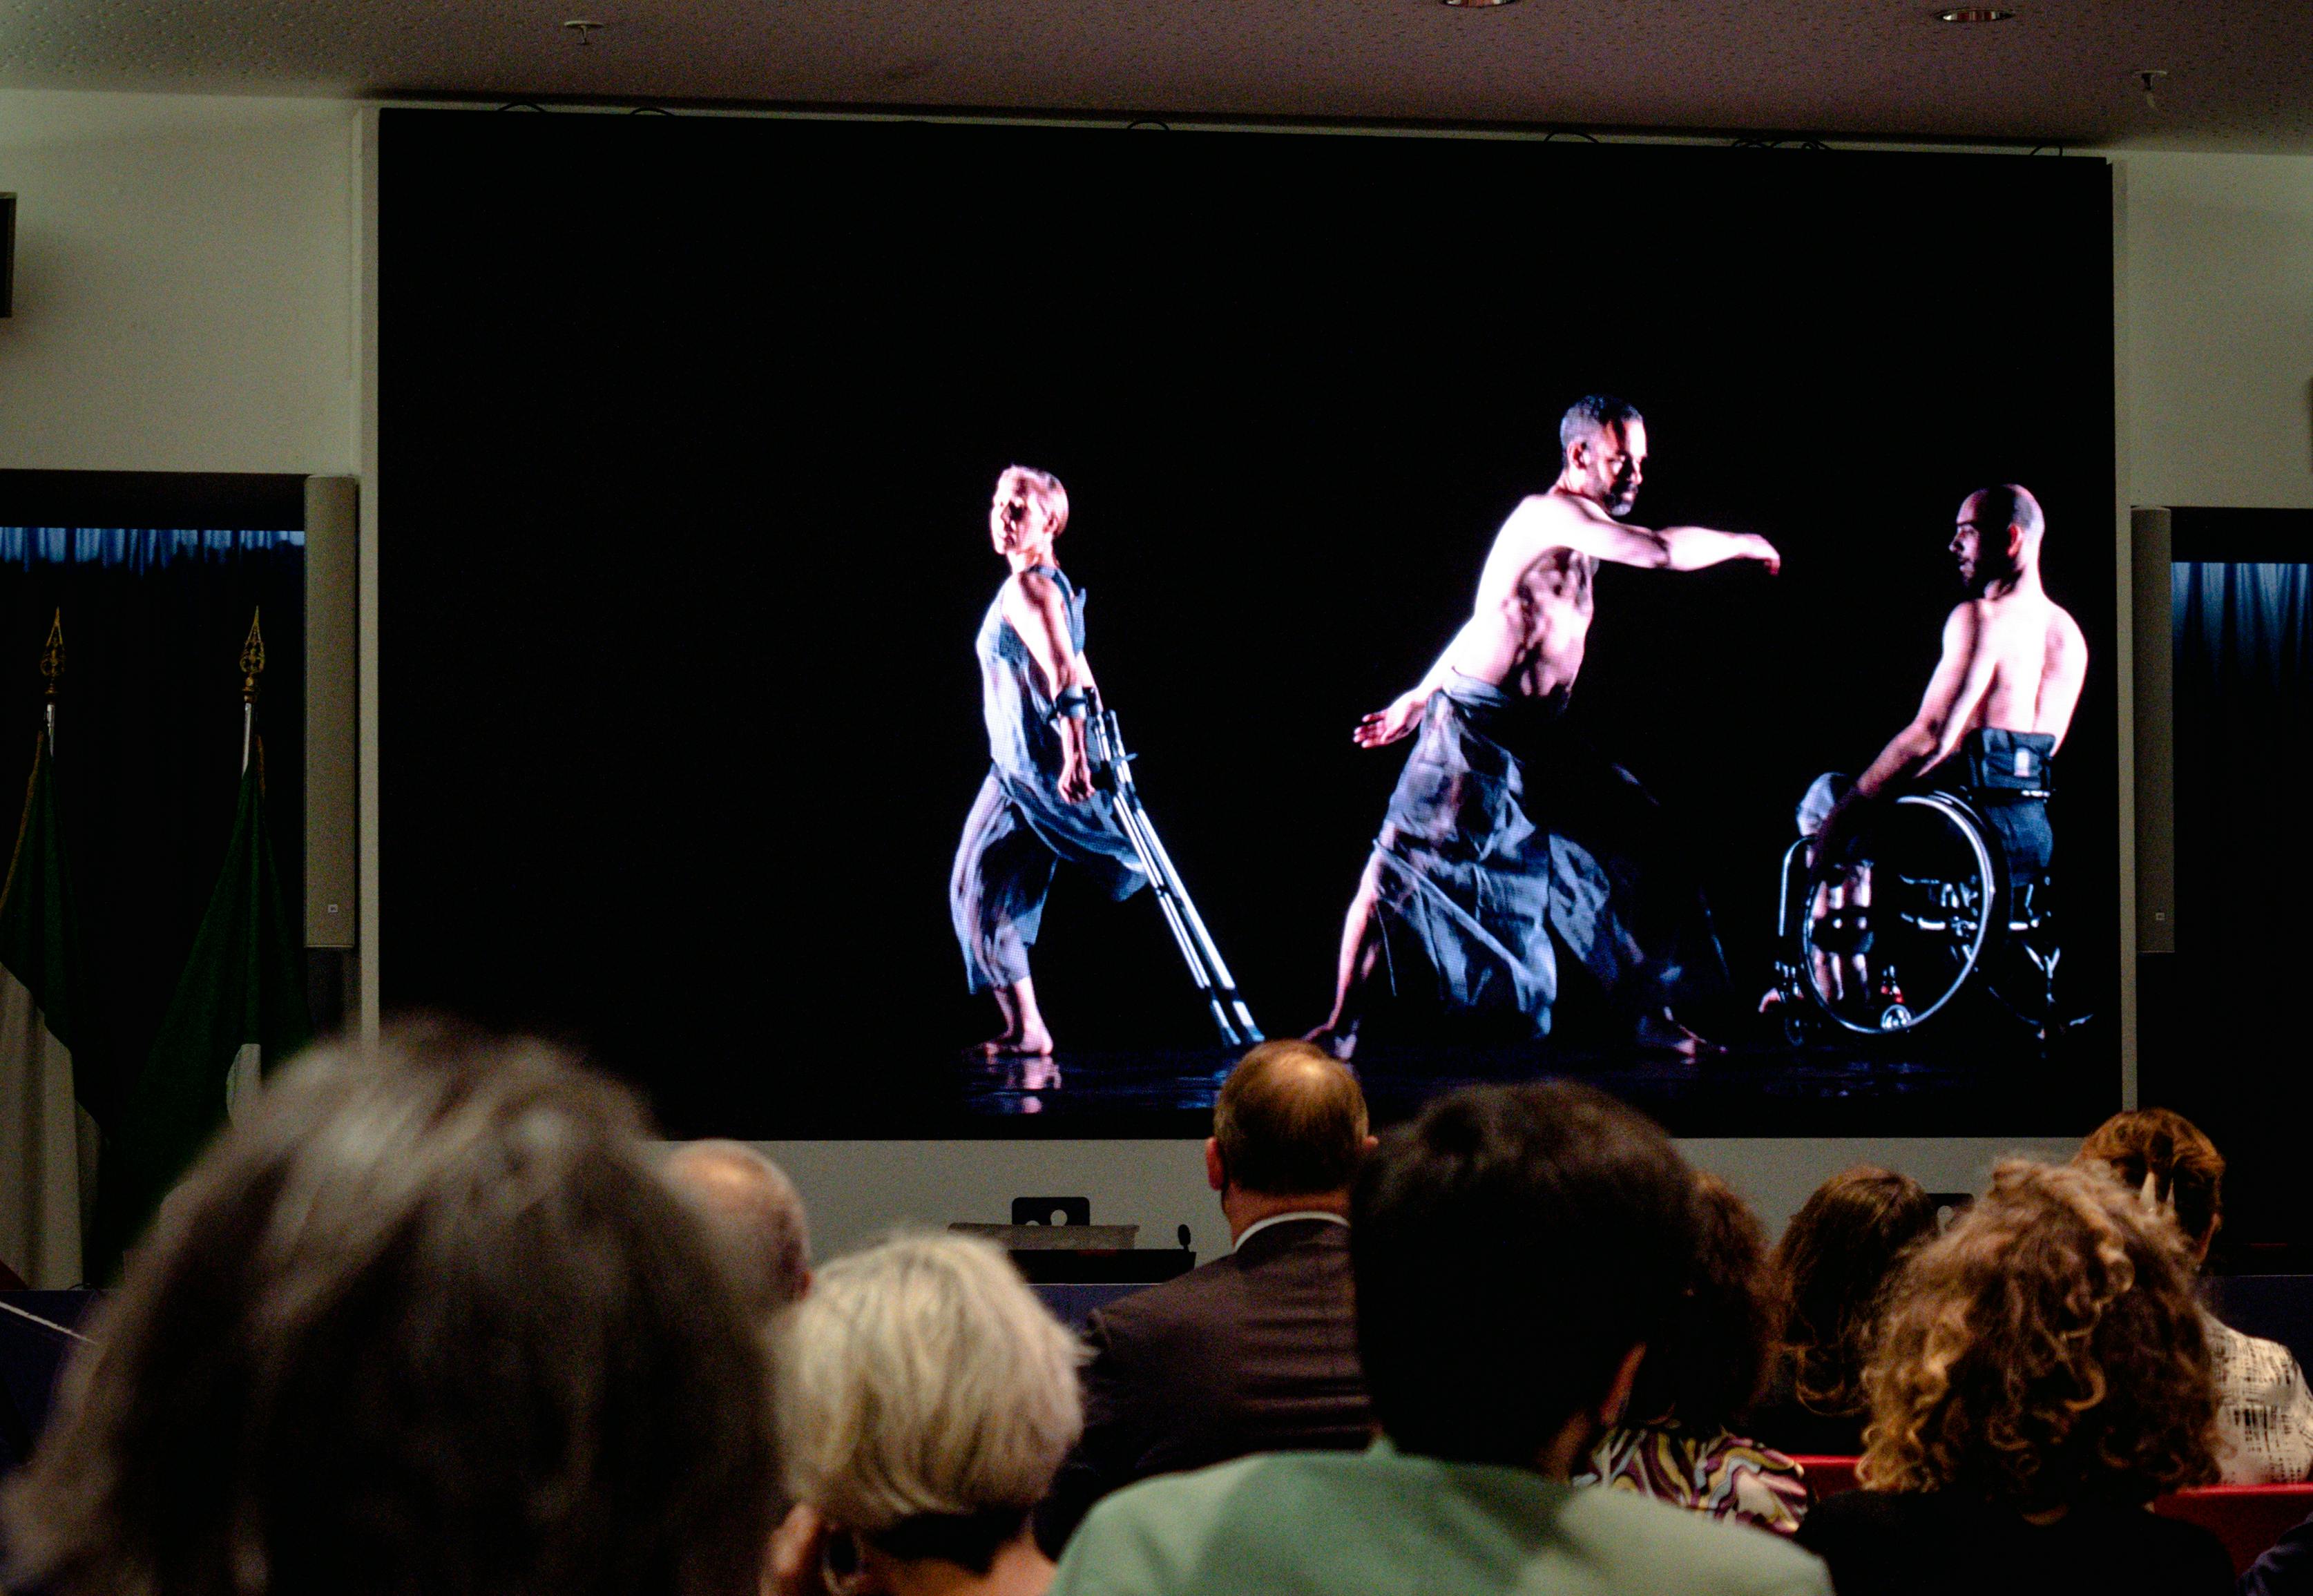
148, 736
2236, 1045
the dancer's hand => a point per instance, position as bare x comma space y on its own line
1385, 726
1755, 548
1076, 775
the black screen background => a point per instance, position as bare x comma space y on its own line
689, 426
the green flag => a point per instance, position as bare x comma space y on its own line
238, 1008
48, 1142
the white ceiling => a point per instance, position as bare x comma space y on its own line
2240, 72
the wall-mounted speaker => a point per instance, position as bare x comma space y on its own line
2155, 761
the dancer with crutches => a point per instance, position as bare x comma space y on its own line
1060, 787
1113, 772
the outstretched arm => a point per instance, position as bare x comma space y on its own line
1038, 612
1541, 523
1387, 725
1577, 523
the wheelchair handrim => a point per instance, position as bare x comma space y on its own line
1966, 823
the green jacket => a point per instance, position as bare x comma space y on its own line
1379, 1522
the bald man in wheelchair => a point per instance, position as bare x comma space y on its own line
1993, 716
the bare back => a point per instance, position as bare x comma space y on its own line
2014, 662
2038, 660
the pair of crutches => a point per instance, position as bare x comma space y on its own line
1111, 769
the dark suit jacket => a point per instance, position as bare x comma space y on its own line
1255, 1352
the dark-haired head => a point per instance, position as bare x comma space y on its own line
1513, 1246
1591, 414
1708, 1367
426, 1320
1835, 1260
1601, 452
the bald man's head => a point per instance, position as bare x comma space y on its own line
2011, 504
1290, 1120
1997, 536
756, 1218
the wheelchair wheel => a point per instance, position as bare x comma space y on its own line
1889, 936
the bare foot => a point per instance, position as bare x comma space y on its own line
1660, 1033
1340, 1041
1012, 1044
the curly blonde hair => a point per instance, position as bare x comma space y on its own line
2046, 1348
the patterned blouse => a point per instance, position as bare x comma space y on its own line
2264, 1414
1719, 1474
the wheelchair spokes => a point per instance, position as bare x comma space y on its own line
1886, 937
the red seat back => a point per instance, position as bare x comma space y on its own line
1827, 1477
2247, 1517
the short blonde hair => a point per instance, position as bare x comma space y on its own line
923, 1377
1045, 487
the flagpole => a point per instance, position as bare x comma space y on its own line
52, 666
252, 666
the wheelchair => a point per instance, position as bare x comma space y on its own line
1921, 910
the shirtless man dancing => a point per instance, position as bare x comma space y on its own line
2000, 700
1508, 838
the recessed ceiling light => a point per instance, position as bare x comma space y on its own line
1974, 13
1478, 5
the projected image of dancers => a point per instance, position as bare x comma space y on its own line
1037, 808
1508, 840
1978, 757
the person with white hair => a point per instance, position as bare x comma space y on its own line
927, 1399
755, 1216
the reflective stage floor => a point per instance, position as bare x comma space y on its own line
1744, 1091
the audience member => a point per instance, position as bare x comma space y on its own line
754, 1215
2285, 1568
1834, 1262
426, 1320
924, 1399
2265, 1414
1514, 1248
1697, 1379
2041, 1376
1257, 1350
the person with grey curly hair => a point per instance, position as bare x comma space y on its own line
926, 1398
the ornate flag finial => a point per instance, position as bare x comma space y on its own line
52, 655
253, 660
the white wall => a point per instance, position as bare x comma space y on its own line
190, 297
186, 284
2217, 355
856, 1189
